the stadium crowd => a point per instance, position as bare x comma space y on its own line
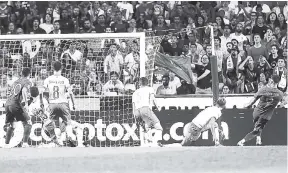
250, 42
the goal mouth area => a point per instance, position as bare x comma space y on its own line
84, 61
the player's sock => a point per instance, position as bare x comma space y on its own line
27, 131
69, 132
250, 136
9, 133
80, 137
258, 140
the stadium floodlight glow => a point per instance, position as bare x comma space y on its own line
85, 72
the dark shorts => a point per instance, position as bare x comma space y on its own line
15, 113
59, 110
259, 123
148, 116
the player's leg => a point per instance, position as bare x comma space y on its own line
65, 115
53, 114
79, 132
27, 124
9, 121
191, 134
213, 126
152, 123
259, 124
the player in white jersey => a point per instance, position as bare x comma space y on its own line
39, 106
143, 99
205, 120
58, 86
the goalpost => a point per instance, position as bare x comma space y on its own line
107, 118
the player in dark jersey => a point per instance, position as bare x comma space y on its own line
269, 96
16, 107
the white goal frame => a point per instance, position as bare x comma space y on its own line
140, 35
87, 36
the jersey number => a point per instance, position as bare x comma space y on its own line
15, 90
55, 92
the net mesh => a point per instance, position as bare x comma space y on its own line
106, 113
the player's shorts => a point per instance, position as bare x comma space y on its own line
15, 113
192, 132
259, 123
59, 110
148, 116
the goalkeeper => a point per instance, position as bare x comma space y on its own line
207, 119
142, 99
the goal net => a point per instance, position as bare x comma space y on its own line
103, 69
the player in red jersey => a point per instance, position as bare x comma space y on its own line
57, 86
16, 107
269, 97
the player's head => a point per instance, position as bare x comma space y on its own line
34, 91
57, 66
143, 81
26, 72
221, 103
275, 80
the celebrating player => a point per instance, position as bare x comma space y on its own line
57, 86
207, 119
269, 97
39, 107
143, 100
16, 107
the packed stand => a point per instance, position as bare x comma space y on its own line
250, 42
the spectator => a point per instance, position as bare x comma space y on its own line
263, 81
94, 84
66, 24
272, 20
132, 26
185, 88
282, 22
219, 53
160, 26
11, 28
36, 29
238, 35
225, 90
230, 70
282, 72
126, 9
226, 37
177, 25
119, 25
48, 23
132, 63
260, 28
114, 86
100, 25
204, 77
5, 12
87, 28
257, 49
249, 75
273, 57
141, 23
263, 67
114, 61
166, 88
96, 11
